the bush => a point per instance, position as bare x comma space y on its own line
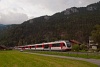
75, 47
83, 47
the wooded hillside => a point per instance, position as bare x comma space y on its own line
73, 23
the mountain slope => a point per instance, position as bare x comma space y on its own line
2, 26
73, 23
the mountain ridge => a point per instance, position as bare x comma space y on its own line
71, 10
73, 23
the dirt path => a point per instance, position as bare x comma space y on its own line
94, 61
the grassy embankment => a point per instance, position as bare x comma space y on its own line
20, 59
71, 54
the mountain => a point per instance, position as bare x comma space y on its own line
2, 26
73, 23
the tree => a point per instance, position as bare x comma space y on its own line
96, 34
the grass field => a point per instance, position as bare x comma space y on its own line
87, 55
20, 59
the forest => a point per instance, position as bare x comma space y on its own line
75, 23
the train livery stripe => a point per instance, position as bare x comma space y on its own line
57, 45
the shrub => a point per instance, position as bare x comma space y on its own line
75, 47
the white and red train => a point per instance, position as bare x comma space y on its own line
57, 45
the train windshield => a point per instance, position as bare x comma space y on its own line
68, 44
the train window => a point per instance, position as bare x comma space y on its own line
26, 47
39, 46
56, 45
63, 44
33, 46
46, 46
68, 44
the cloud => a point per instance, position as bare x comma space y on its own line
86, 2
61, 4
39, 7
35, 8
12, 18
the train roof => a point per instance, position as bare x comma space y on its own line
47, 43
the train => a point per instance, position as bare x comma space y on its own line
49, 46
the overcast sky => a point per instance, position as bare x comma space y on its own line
17, 11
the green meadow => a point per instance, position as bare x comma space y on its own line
20, 59
87, 55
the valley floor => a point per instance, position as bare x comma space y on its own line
21, 59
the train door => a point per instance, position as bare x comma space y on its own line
46, 47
